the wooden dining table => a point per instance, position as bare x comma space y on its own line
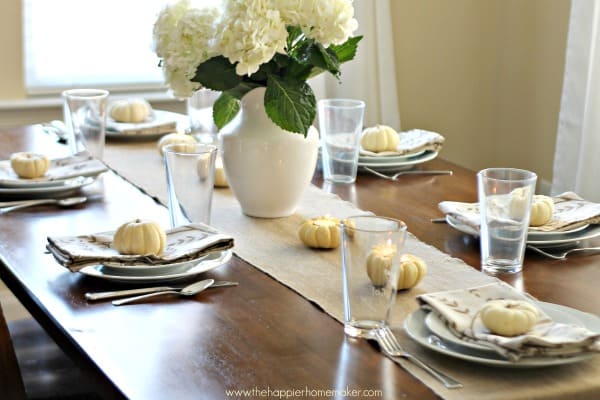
260, 335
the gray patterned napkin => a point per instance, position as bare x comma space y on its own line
184, 243
459, 310
411, 142
81, 164
570, 212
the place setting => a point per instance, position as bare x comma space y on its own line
30, 175
141, 252
383, 150
134, 119
347, 148
556, 222
497, 325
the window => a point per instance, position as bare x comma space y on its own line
90, 43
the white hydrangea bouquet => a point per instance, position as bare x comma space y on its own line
277, 44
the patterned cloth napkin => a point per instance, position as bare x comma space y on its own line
184, 243
570, 212
459, 310
81, 164
411, 142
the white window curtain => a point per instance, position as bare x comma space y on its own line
75, 43
371, 76
577, 161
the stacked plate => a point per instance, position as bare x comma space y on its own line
146, 273
540, 239
396, 163
429, 331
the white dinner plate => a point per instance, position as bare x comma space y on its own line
388, 159
212, 261
415, 327
63, 188
558, 239
400, 165
556, 312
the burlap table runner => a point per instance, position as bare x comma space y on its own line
272, 246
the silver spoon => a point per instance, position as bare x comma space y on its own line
190, 290
68, 202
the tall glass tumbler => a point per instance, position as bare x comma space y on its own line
371, 250
200, 113
340, 127
190, 170
85, 119
505, 196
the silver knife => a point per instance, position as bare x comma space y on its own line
132, 292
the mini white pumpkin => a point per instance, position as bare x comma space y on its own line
379, 262
412, 270
130, 110
174, 138
379, 138
29, 165
320, 232
509, 317
141, 237
542, 209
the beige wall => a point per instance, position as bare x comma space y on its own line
11, 67
486, 74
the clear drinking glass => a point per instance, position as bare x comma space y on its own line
371, 250
340, 126
190, 170
505, 196
200, 113
84, 111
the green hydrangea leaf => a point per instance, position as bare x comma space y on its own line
225, 109
217, 74
347, 50
290, 103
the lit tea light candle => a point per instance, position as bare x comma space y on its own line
220, 178
379, 262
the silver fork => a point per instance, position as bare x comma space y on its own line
390, 345
562, 255
411, 172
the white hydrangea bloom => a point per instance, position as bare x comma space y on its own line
184, 38
251, 33
326, 21
166, 24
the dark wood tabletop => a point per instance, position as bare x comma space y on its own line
261, 334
